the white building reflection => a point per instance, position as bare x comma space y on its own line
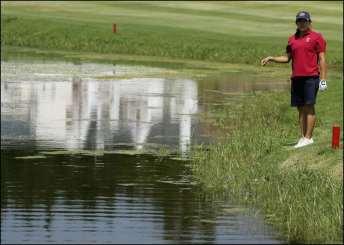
89, 114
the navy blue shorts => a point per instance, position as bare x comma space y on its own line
304, 90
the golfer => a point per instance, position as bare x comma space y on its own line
306, 49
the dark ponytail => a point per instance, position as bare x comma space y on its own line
297, 33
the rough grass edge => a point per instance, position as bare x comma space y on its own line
305, 205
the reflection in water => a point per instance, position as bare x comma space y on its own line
111, 198
99, 114
227, 86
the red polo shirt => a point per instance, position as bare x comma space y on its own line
304, 52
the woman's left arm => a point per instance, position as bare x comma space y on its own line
323, 66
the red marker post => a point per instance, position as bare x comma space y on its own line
114, 28
335, 136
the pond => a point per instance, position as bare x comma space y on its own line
97, 153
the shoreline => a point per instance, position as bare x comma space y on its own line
299, 191
256, 164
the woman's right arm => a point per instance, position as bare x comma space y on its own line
278, 59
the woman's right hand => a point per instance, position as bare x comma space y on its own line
266, 60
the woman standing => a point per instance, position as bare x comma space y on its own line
306, 48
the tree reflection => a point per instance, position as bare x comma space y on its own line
65, 182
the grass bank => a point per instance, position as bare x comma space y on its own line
299, 191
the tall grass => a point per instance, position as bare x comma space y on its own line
202, 36
138, 40
305, 204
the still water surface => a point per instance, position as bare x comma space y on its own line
47, 107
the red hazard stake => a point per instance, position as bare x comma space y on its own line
114, 30
335, 136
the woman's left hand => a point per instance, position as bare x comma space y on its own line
265, 60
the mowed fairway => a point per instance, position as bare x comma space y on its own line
234, 32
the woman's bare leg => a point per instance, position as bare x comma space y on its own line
309, 114
302, 121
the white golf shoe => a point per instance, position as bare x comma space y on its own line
304, 142
299, 142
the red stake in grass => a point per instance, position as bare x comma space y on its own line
335, 136
114, 30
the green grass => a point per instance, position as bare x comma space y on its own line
299, 191
225, 32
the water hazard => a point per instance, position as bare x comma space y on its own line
76, 162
